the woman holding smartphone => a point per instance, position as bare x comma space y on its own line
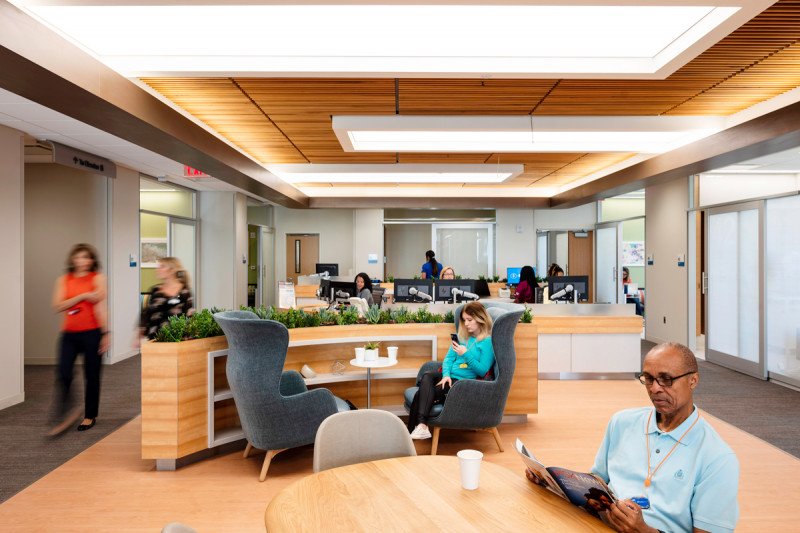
471, 356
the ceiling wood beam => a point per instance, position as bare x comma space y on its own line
767, 134
41, 66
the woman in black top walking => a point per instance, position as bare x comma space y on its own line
172, 297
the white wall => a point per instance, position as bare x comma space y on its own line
123, 278
722, 188
515, 242
665, 239
368, 239
406, 245
335, 230
63, 206
11, 268
223, 243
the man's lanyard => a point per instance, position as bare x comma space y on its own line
651, 473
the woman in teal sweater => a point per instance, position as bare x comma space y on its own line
470, 358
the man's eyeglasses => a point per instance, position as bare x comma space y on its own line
664, 381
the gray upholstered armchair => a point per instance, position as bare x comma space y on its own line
276, 409
478, 404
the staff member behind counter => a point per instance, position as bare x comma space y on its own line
364, 288
432, 267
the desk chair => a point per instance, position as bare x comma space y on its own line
360, 436
377, 295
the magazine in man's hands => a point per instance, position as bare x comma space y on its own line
587, 491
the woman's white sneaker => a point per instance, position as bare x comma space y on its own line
420, 434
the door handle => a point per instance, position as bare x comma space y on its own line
614, 273
704, 283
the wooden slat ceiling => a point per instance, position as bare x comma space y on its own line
288, 120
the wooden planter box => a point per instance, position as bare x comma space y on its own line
186, 407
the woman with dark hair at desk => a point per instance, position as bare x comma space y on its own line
364, 288
432, 267
633, 296
554, 270
526, 288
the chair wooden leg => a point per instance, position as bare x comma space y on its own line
247, 450
435, 440
496, 435
267, 460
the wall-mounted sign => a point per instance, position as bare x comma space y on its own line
189, 172
71, 157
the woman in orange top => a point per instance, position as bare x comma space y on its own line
81, 295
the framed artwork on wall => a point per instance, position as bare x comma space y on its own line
633, 253
153, 249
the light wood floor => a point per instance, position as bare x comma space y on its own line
109, 488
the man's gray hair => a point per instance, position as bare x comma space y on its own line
689, 360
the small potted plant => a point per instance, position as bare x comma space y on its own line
371, 351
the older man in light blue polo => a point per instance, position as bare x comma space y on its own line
670, 469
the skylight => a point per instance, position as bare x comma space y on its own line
623, 39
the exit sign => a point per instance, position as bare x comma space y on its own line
189, 172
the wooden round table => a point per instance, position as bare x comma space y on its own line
421, 493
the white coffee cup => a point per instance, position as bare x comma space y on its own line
360, 354
392, 352
470, 463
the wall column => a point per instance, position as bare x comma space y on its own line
11, 268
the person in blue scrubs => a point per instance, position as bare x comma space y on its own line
431, 267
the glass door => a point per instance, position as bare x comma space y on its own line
468, 248
733, 288
182, 245
608, 258
541, 254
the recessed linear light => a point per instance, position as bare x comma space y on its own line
395, 173
405, 133
620, 39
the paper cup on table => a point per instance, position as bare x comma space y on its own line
392, 351
470, 463
360, 355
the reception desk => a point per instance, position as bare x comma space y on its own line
588, 341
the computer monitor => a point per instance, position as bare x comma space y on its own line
402, 288
512, 275
331, 268
482, 288
580, 284
348, 287
444, 288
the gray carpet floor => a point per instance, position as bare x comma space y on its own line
28, 455
769, 411
766, 410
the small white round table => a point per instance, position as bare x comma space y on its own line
381, 362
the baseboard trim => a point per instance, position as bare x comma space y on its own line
12, 400
119, 357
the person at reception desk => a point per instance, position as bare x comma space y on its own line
431, 267
631, 291
364, 288
448, 273
554, 270
470, 358
526, 288
670, 469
